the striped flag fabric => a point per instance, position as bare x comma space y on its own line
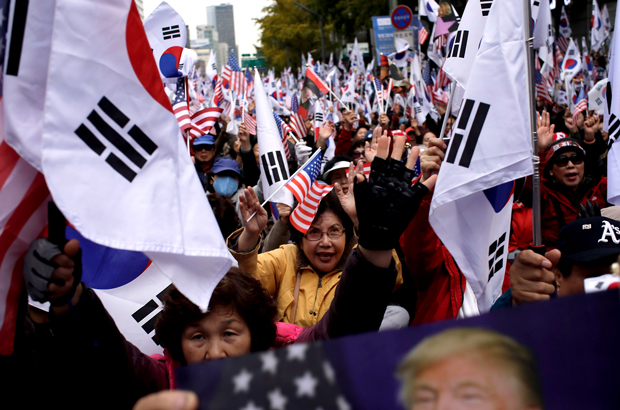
249, 122
283, 129
541, 88
180, 106
218, 95
308, 191
232, 76
562, 43
297, 122
300, 183
203, 120
422, 33
581, 104
304, 213
23, 218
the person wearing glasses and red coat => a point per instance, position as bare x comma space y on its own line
569, 178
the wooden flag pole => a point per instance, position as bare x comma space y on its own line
388, 95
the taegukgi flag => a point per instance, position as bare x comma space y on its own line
612, 120
109, 152
471, 206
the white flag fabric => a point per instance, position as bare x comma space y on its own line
25, 82
597, 30
612, 120
461, 56
543, 34
471, 206
596, 97
571, 65
357, 59
348, 96
565, 30
430, 9
212, 67
165, 30
108, 156
606, 20
273, 165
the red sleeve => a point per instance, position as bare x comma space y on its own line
343, 142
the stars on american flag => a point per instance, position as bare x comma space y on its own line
306, 385
270, 362
297, 352
242, 381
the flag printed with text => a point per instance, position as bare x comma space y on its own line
131, 179
472, 204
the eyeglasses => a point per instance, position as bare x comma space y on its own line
203, 147
562, 160
358, 153
315, 234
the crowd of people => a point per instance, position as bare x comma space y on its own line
369, 261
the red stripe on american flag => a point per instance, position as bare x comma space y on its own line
9, 159
35, 196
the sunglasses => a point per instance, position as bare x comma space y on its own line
562, 160
203, 147
357, 154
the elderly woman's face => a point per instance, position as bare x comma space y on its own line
221, 333
325, 253
568, 169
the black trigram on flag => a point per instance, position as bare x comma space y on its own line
473, 135
103, 125
319, 117
496, 251
274, 167
614, 122
171, 32
460, 44
485, 5
142, 315
571, 52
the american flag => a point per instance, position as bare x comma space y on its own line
249, 122
308, 191
232, 76
557, 63
283, 129
562, 43
442, 79
541, 88
218, 95
23, 216
297, 122
203, 120
422, 33
581, 104
180, 106
379, 92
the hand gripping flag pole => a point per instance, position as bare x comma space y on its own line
529, 53
318, 151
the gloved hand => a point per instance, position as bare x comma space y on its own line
387, 202
303, 152
43, 266
589, 211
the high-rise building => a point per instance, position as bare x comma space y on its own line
208, 32
223, 19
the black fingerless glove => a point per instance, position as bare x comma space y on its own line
386, 203
590, 210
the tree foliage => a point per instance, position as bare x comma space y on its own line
299, 30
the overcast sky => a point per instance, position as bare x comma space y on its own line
194, 12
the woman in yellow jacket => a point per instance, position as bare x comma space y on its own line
302, 277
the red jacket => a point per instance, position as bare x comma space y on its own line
557, 207
343, 141
440, 284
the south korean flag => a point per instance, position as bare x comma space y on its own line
471, 207
612, 121
272, 159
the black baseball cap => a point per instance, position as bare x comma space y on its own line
590, 239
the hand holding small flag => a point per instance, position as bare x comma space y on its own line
249, 205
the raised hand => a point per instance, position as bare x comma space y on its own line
545, 131
254, 225
432, 157
370, 149
590, 127
347, 199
